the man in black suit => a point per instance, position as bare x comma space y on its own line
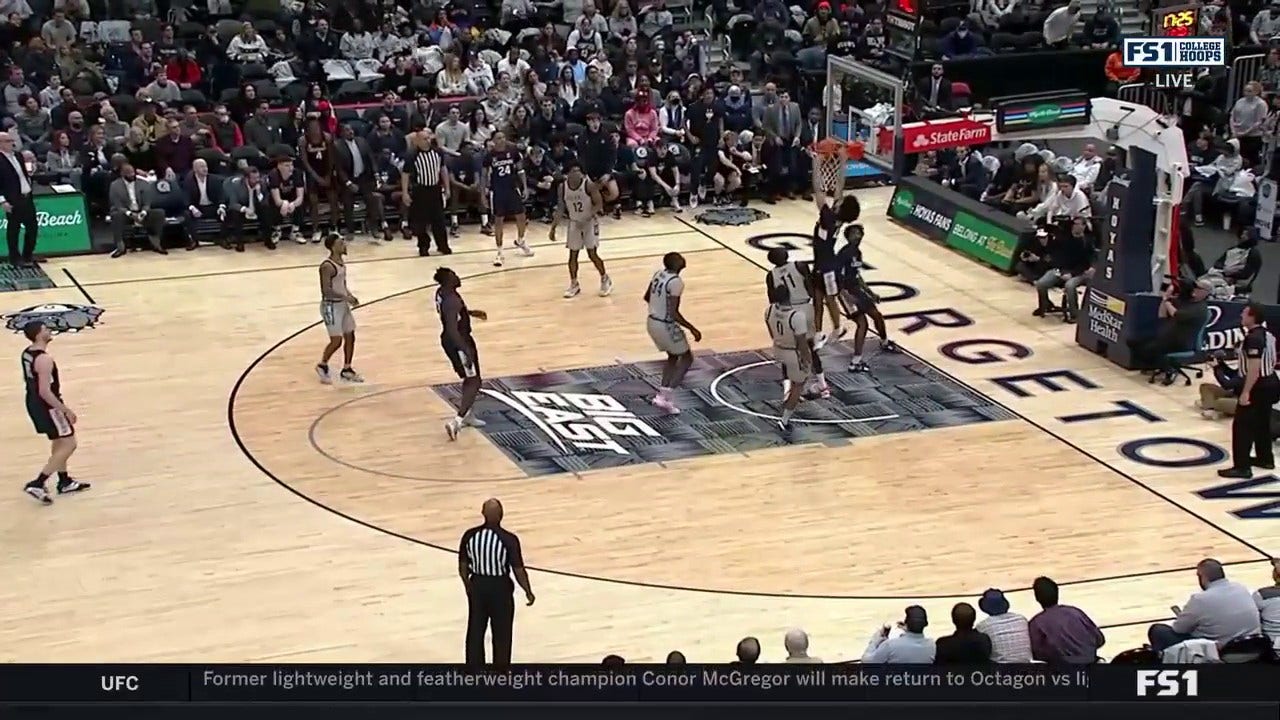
357, 173
965, 646
248, 201
934, 92
203, 195
130, 200
18, 202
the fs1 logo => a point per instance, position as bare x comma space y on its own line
1168, 52
1168, 683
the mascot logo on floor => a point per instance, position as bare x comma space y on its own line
58, 317
731, 215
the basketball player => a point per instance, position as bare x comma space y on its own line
459, 346
49, 414
793, 277
789, 329
581, 203
336, 304
825, 283
505, 181
315, 149
857, 300
667, 326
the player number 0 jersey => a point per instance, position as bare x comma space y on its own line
786, 326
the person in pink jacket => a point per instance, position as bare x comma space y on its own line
641, 122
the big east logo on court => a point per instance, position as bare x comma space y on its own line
587, 423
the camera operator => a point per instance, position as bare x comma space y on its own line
1251, 427
1218, 400
1183, 311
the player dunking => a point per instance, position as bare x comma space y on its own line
789, 329
825, 232
667, 326
858, 301
794, 278
49, 414
459, 346
581, 203
336, 304
504, 177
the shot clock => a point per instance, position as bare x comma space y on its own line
1178, 21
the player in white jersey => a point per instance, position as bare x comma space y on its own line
581, 204
794, 278
667, 326
336, 304
789, 328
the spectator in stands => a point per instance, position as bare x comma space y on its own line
1061, 634
482, 129
622, 24
1240, 265
728, 169
385, 138
973, 178
139, 152
517, 127
203, 195
1265, 25
442, 31
1269, 74
1085, 168
935, 91
796, 641
965, 646
260, 132
748, 651
1118, 74
546, 123
150, 125
671, 118
95, 167
662, 173
641, 123
1268, 601
479, 74
782, 125
1068, 200
599, 158
318, 45
959, 43
1216, 179
1010, 637
34, 125
1246, 121
452, 134
737, 109
226, 134
1070, 266
513, 65
161, 89
247, 46
451, 81
191, 125
20, 8
183, 71
818, 31
565, 89
15, 90
392, 109
63, 161
1060, 24
911, 646
57, 32
1222, 611
76, 129
357, 43
1102, 31
175, 153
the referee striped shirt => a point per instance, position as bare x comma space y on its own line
490, 551
1259, 346
425, 168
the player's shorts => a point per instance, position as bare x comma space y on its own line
668, 337
505, 204
583, 235
466, 363
806, 312
856, 301
791, 368
337, 317
825, 281
50, 422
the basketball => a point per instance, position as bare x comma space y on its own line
850, 209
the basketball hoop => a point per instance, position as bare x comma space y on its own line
829, 158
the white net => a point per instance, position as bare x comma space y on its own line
829, 158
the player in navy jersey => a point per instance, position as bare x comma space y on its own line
857, 300
459, 346
831, 218
505, 181
49, 414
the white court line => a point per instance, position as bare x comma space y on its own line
715, 393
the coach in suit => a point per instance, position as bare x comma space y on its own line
18, 202
783, 123
130, 200
247, 201
357, 173
203, 194
934, 92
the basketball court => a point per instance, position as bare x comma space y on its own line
241, 511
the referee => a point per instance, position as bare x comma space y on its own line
424, 185
487, 556
1251, 427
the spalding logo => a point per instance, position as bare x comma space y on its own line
58, 317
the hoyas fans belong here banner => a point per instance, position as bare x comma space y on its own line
938, 214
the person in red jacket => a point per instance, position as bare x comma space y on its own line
1118, 74
183, 70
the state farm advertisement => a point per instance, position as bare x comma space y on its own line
942, 134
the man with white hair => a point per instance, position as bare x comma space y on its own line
797, 644
204, 197
1085, 168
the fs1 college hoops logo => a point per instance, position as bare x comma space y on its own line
58, 317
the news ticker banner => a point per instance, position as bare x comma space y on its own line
631, 683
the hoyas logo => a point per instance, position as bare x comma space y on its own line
58, 317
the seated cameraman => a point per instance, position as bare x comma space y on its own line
1183, 311
1071, 265
1221, 399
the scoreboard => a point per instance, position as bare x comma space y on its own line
1177, 21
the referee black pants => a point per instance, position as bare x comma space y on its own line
490, 604
1251, 426
426, 210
